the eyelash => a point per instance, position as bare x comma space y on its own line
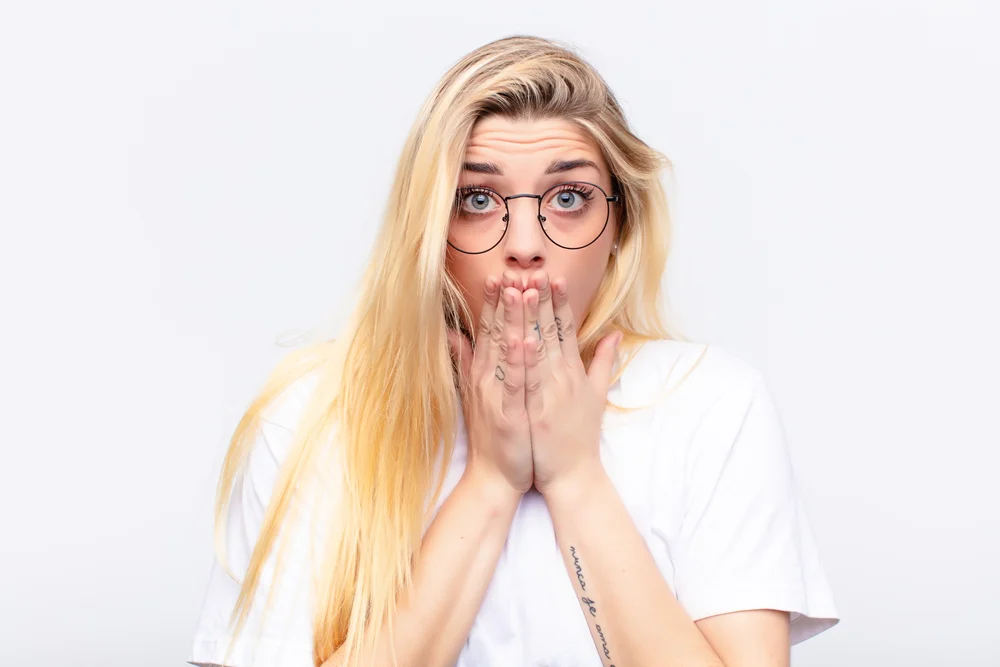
469, 189
466, 190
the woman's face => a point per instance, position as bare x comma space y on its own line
531, 157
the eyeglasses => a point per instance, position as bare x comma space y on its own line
572, 215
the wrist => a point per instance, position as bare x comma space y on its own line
572, 487
492, 488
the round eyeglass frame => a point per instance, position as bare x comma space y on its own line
541, 218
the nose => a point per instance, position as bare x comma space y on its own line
524, 242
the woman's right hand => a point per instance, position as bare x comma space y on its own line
492, 387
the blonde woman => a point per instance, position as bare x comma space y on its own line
507, 459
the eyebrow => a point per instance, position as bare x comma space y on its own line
554, 168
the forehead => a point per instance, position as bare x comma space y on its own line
528, 143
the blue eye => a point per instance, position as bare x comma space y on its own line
479, 200
571, 198
474, 200
567, 197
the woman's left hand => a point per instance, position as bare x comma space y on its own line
565, 401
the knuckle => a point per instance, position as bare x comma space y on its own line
508, 314
485, 325
550, 330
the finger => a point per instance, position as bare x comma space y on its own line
512, 403
566, 323
551, 349
533, 329
513, 315
487, 315
532, 376
508, 280
512, 279
491, 358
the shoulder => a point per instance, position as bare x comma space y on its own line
287, 408
280, 418
279, 421
694, 374
711, 407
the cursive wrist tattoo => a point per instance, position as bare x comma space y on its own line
591, 604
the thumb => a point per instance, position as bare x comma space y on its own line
603, 362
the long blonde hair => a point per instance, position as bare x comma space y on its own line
385, 405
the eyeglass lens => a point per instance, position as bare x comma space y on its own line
573, 216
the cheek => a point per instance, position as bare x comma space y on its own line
471, 279
580, 304
583, 285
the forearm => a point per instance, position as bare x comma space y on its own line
451, 572
633, 615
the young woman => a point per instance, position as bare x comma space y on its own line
507, 459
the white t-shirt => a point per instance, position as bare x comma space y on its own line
705, 474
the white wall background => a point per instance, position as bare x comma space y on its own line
183, 182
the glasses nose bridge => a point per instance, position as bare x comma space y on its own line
528, 195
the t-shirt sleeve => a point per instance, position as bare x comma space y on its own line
284, 635
745, 540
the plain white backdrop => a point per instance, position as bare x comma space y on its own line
184, 184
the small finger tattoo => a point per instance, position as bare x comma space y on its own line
559, 328
500, 374
538, 330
